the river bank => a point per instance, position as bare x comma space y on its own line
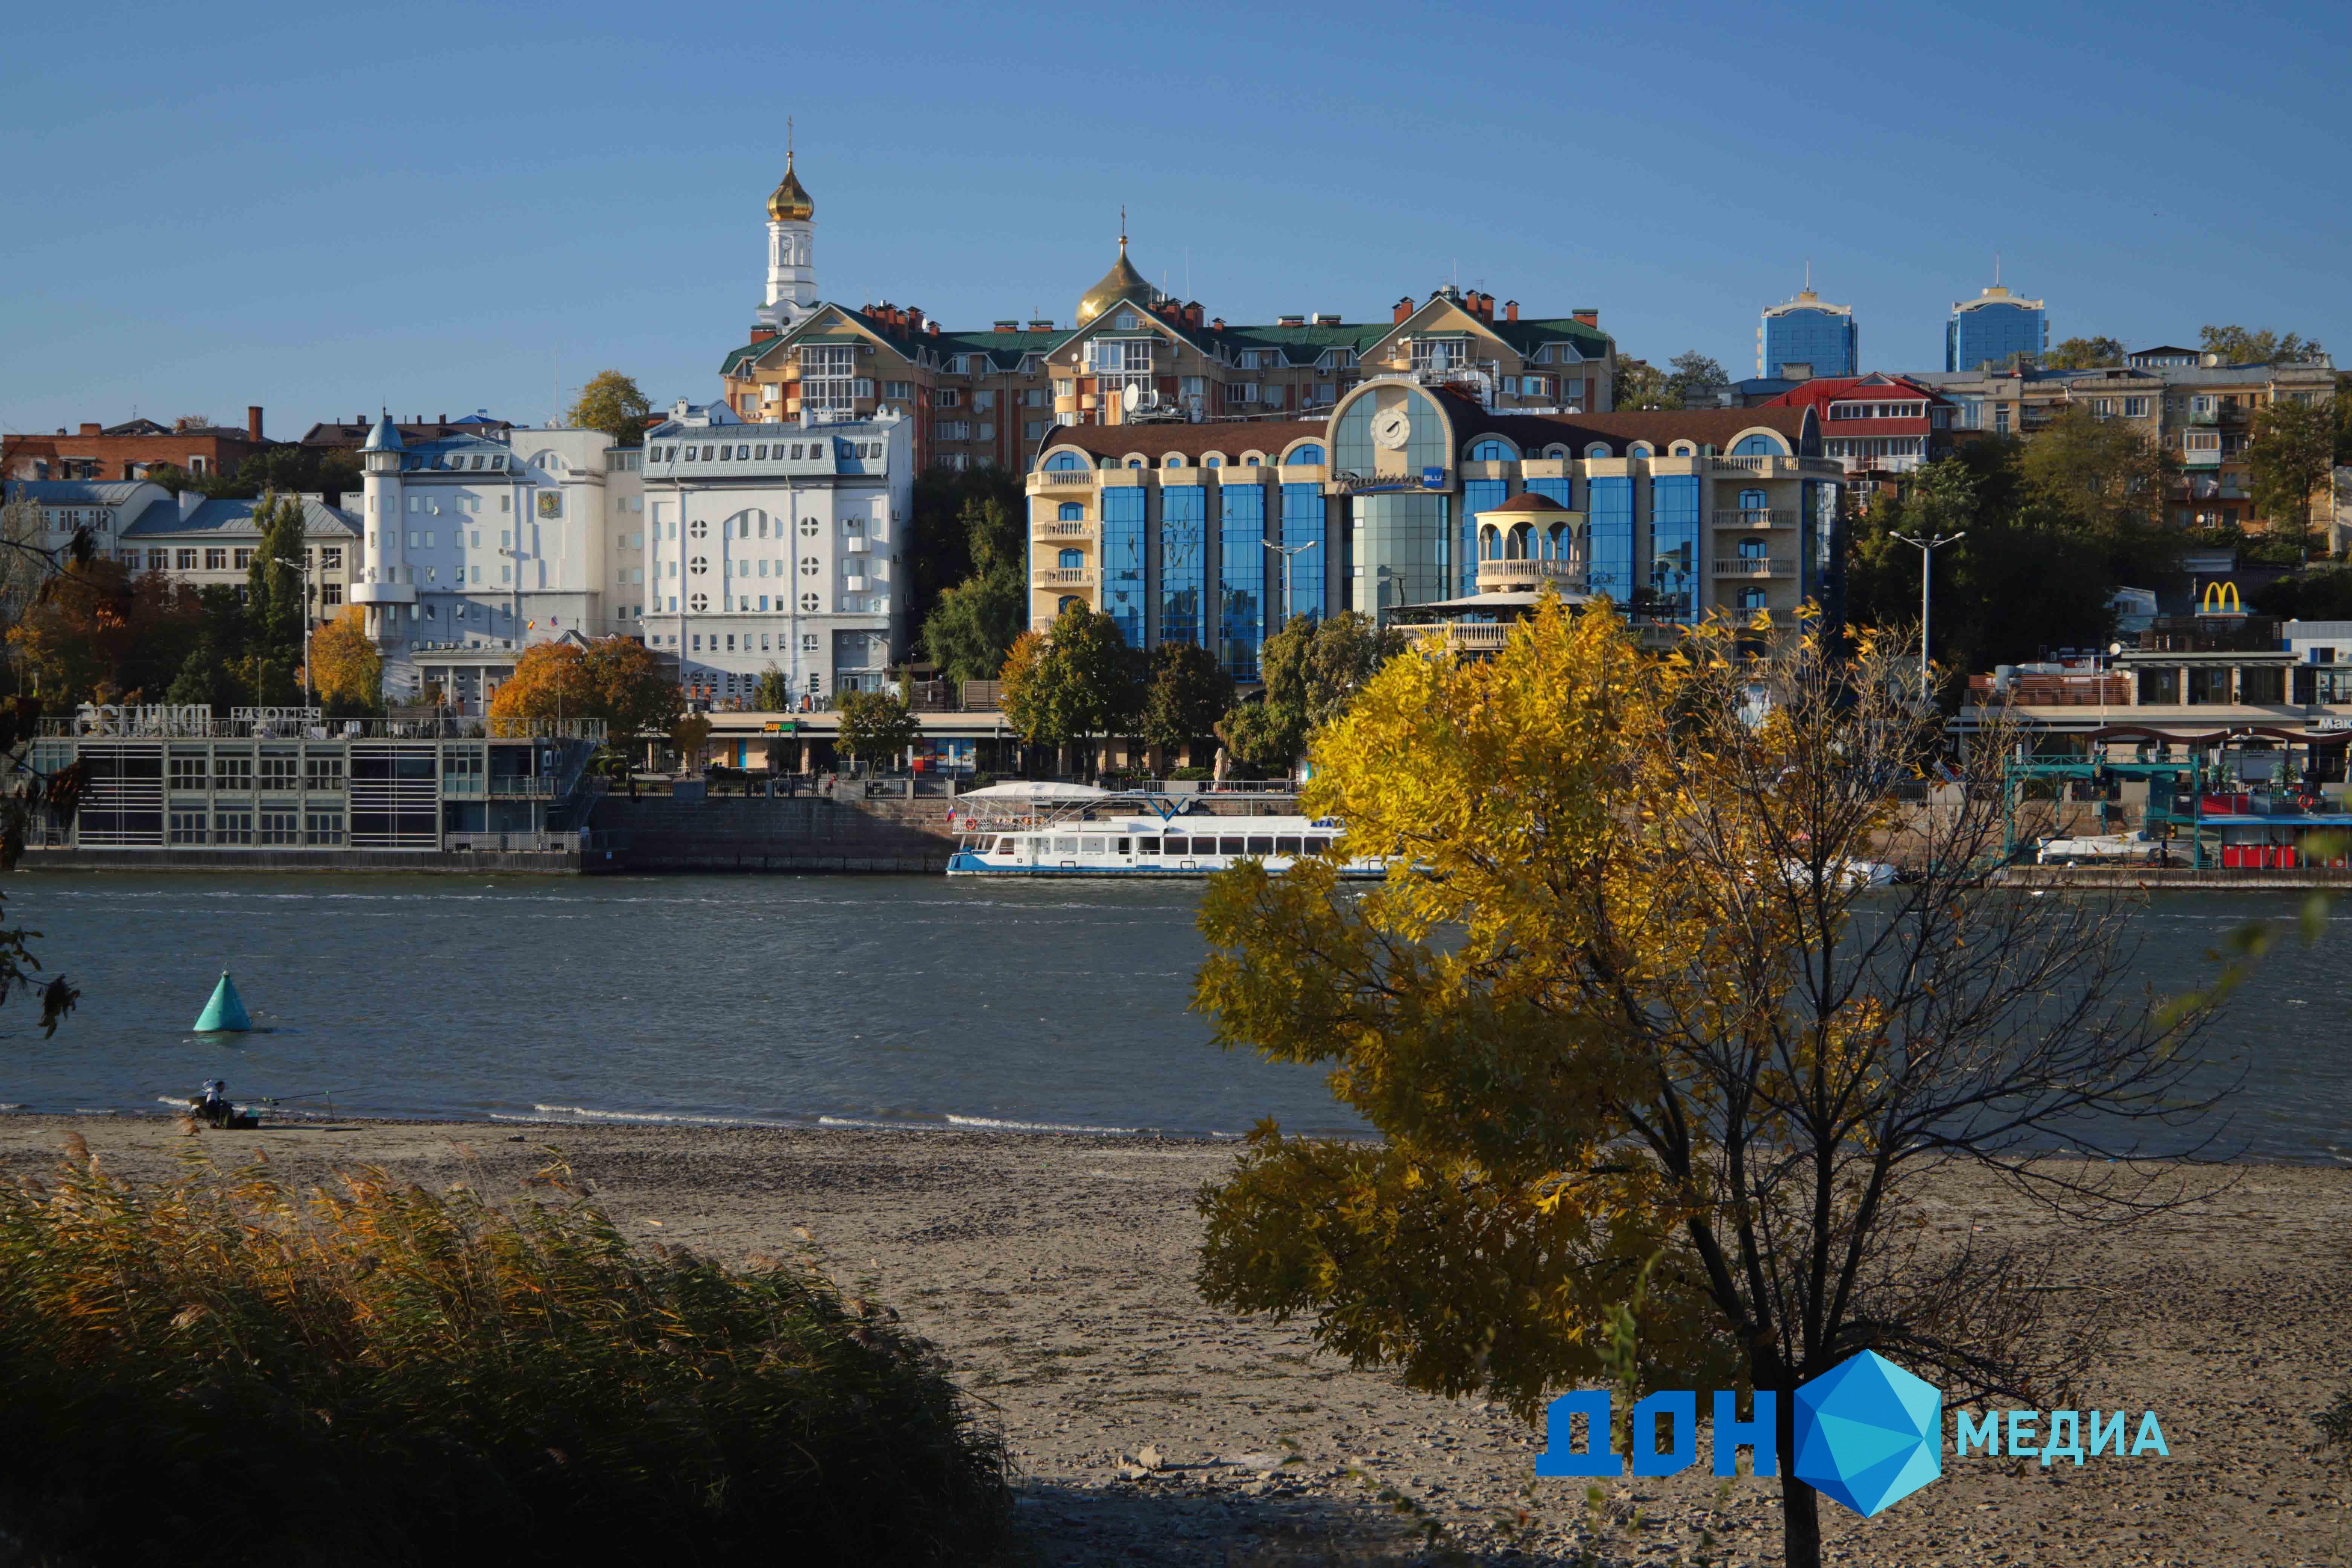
1055, 1273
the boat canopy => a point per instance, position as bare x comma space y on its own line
1035, 791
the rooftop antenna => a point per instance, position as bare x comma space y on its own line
1809, 275
1996, 268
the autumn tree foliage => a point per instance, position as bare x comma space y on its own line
616, 679
1623, 1010
94, 632
611, 402
346, 670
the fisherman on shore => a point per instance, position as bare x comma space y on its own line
214, 1106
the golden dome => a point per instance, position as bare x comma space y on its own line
1121, 282
791, 199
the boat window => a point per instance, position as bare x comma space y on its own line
1065, 843
1005, 847
1123, 847
1180, 846
1090, 845
1230, 846
1261, 845
1147, 846
1287, 845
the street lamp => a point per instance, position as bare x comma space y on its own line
1289, 551
1927, 548
302, 566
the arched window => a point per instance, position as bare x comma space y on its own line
1558, 542
1638, 449
1213, 460
1556, 450
1073, 559
1685, 449
1597, 449
1516, 548
1753, 500
1135, 463
1751, 598
1759, 447
1253, 459
1071, 511
1172, 461
1062, 462
1492, 452
1751, 550
1488, 539
1069, 604
1305, 454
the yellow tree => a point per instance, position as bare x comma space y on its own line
611, 402
345, 668
1625, 1009
617, 679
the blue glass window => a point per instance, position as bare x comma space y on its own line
1477, 496
1302, 524
1242, 574
1675, 543
1123, 584
1304, 456
1759, 447
1610, 549
1072, 513
1492, 452
1751, 598
1073, 559
1753, 500
1062, 462
1183, 561
1558, 490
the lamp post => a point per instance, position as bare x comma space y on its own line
1927, 548
1287, 553
302, 566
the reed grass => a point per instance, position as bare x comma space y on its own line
215, 1369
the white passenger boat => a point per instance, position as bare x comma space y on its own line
1075, 830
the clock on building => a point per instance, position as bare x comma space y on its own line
1392, 428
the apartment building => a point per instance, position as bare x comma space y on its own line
1805, 337
1994, 330
2201, 411
1211, 532
125, 452
776, 545
995, 396
1876, 424
212, 543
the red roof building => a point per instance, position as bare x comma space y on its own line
1878, 425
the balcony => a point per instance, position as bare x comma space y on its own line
1756, 516
1756, 566
1460, 636
1060, 530
1061, 478
1504, 577
2191, 458
1773, 465
1063, 577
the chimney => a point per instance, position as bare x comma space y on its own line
932, 328
1404, 309
253, 423
1290, 320
440, 419
189, 500
1011, 326
1510, 310
1328, 319
1588, 316
1192, 314
88, 429
1219, 323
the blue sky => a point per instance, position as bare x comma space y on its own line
325, 209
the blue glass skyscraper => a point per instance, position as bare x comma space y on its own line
1994, 327
1806, 331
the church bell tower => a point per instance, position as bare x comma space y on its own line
792, 261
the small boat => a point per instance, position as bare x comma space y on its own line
2098, 850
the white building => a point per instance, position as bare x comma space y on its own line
478, 544
776, 546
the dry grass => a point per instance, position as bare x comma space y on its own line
216, 1369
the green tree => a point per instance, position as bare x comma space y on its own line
971, 625
938, 549
2085, 353
1693, 374
611, 402
876, 727
2292, 459
275, 610
2237, 345
773, 691
1636, 1042
1189, 691
1638, 384
1311, 668
1074, 682
2102, 474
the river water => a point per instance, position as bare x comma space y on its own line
892, 1001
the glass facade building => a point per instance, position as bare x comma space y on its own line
1302, 524
1477, 496
1675, 535
1183, 562
1610, 549
1993, 329
1241, 577
1806, 331
1122, 539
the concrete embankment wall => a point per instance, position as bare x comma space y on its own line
554, 863
2176, 878
801, 834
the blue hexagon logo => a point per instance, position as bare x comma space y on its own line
1868, 1433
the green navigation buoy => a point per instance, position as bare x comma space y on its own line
224, 1014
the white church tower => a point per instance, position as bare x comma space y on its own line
385, 586
792, 260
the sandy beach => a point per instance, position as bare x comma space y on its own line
1057, 1274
